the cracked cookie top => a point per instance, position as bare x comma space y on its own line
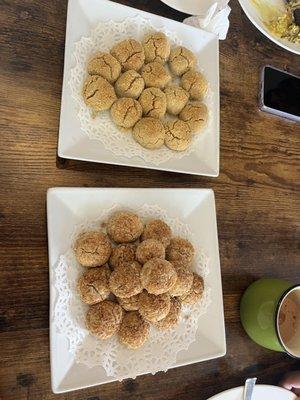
149, 132
155, 74
153, 102
130, 84
181, 59
105, 65
125, 282
98, 93
130, 54
156, 47
124, 227
92, 286
195, 115
195, 83
178, 135
126, 112
104, 319
177, 98
92, 249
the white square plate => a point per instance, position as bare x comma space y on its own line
83, 16
67, 207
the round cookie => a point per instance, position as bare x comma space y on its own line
172, 318
105, 65
103, 319
196, 291
153, 102
149, 132
178, 136
156, 47
124, 227
130, 84
154, 308
125, 282
195, 84
184, 282
122, 254
180, 250
148, 249
126, 112
131, 303
98, 93
130, 54
155, 74
181, 59
92, 249
92, 286
195, 115
134, 331
177, 99
158, 230
158, 276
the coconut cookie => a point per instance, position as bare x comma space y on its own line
154, 308
172, 318
130, 54
103, 319
122, 254
148, 249
196, 291
130, 303
125, 282
92, 249
158, 276
124, 227
180, 250
93, 286
134, 331
158, 230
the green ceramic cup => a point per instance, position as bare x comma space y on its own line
260, 307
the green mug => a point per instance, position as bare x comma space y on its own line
270, 315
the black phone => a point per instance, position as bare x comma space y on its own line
280, 93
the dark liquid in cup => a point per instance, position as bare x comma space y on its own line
288, 319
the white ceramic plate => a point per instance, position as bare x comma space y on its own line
194, 7
67, 207
73, 143
261, 392
257, 20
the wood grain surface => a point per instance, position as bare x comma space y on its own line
256, 193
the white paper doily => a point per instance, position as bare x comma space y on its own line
160, 351
103, 38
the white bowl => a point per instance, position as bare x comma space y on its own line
261, 392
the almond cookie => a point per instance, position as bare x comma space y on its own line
196, 291
156, 75
130, 84
154, 308
195, 83
181, 59
92, 286
122, 254
104, 319
98, 93
125, 282
177, 99
153, 102
92, 249
158, 230
126, 112
131, 303
184, 282
156, 47
158, 276
178, 136
124, 227
130, 54
134, 331
105, 65
149, 132
148, 249
195, 115
172, 318
180, 250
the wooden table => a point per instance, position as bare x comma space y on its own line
256, 195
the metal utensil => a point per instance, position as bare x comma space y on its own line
249, 386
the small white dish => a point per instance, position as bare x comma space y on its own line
193, 7
257, 19
66, 207
261, 392
83, 16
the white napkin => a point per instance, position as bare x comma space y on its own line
215, 20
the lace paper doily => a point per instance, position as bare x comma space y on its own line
103, 38
160, 352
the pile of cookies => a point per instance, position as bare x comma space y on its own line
136, 275
150, 89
